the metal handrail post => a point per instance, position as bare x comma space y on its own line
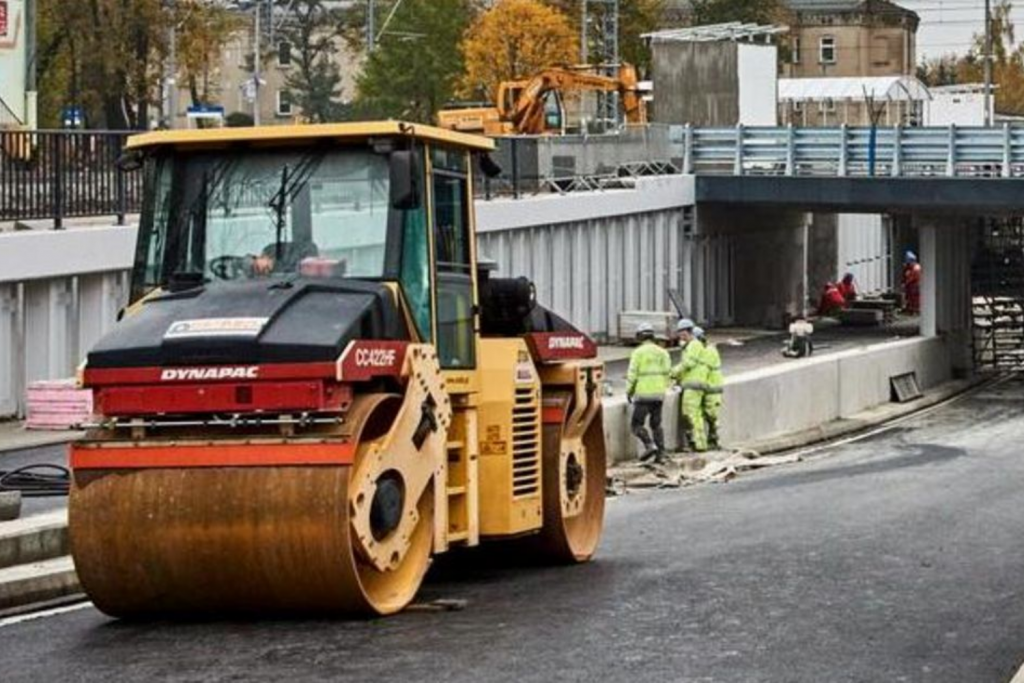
790, 150
58, 181
951, 152
844, 151
897, 151
737, 168
1007, 151
688, 149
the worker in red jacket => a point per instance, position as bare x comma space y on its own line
911, 283
848, 288
832, 301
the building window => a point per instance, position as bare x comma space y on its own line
827, 106
794, 57
827, 50
284, 53
798, 107
284, 103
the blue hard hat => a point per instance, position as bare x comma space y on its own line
910, 257
685, 324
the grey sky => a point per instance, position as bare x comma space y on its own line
948, 25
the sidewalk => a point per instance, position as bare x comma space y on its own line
14, 437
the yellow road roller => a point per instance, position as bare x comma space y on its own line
316, 387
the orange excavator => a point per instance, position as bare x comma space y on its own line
535, 106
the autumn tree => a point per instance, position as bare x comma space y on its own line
1007, 63
201, 30
103, 55
512, 40
415, 67
313, 31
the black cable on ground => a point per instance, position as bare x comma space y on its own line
37, 481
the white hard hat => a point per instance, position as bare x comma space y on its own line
698, 332
685, 324
645, 328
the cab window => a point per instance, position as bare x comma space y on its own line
456, 341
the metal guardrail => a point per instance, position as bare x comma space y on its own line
61, 174
953, 152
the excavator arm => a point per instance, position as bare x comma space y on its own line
526, 111
520, 103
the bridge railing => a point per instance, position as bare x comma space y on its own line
856, 151
61, 174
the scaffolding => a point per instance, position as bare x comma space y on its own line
997, 290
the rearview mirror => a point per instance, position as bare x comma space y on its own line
405, 191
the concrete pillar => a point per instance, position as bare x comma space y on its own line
928, 236
945, 256
9, 340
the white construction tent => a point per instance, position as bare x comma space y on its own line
832, 101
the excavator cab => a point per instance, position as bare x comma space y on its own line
315, 389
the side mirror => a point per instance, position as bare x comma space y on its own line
489, 166
131, 160
404, 167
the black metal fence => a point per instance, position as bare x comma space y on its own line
64, 174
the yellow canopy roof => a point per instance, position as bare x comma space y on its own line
214, 137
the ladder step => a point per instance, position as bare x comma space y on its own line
456, 445
456, 490
455, 536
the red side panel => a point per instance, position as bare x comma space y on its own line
205, 374
550, 347
235, 397
211, 455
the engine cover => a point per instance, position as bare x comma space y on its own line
261, 321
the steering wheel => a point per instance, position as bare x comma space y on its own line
229, 267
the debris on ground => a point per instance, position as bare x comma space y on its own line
688, 469
439, 605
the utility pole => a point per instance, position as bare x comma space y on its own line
170, 103
371, 28
31, 61
583, 32
988, 62
608, 51
256, 69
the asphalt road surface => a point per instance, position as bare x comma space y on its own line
899, 557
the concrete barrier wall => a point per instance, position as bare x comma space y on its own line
797, 395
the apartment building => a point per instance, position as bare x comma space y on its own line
844, 38
233, 78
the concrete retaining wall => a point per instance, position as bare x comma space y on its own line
798, 395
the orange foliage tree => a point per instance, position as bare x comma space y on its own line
513, 40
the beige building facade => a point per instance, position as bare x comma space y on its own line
232, 80
850, 45
844, 38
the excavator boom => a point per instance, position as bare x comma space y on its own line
521, 104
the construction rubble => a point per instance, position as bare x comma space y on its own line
716, 467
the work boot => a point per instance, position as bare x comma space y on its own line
650, 454
662, 459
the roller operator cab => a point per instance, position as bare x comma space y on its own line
315, 389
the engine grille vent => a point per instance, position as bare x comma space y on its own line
526, 443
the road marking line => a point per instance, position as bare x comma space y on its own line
10, 621
1019, 678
